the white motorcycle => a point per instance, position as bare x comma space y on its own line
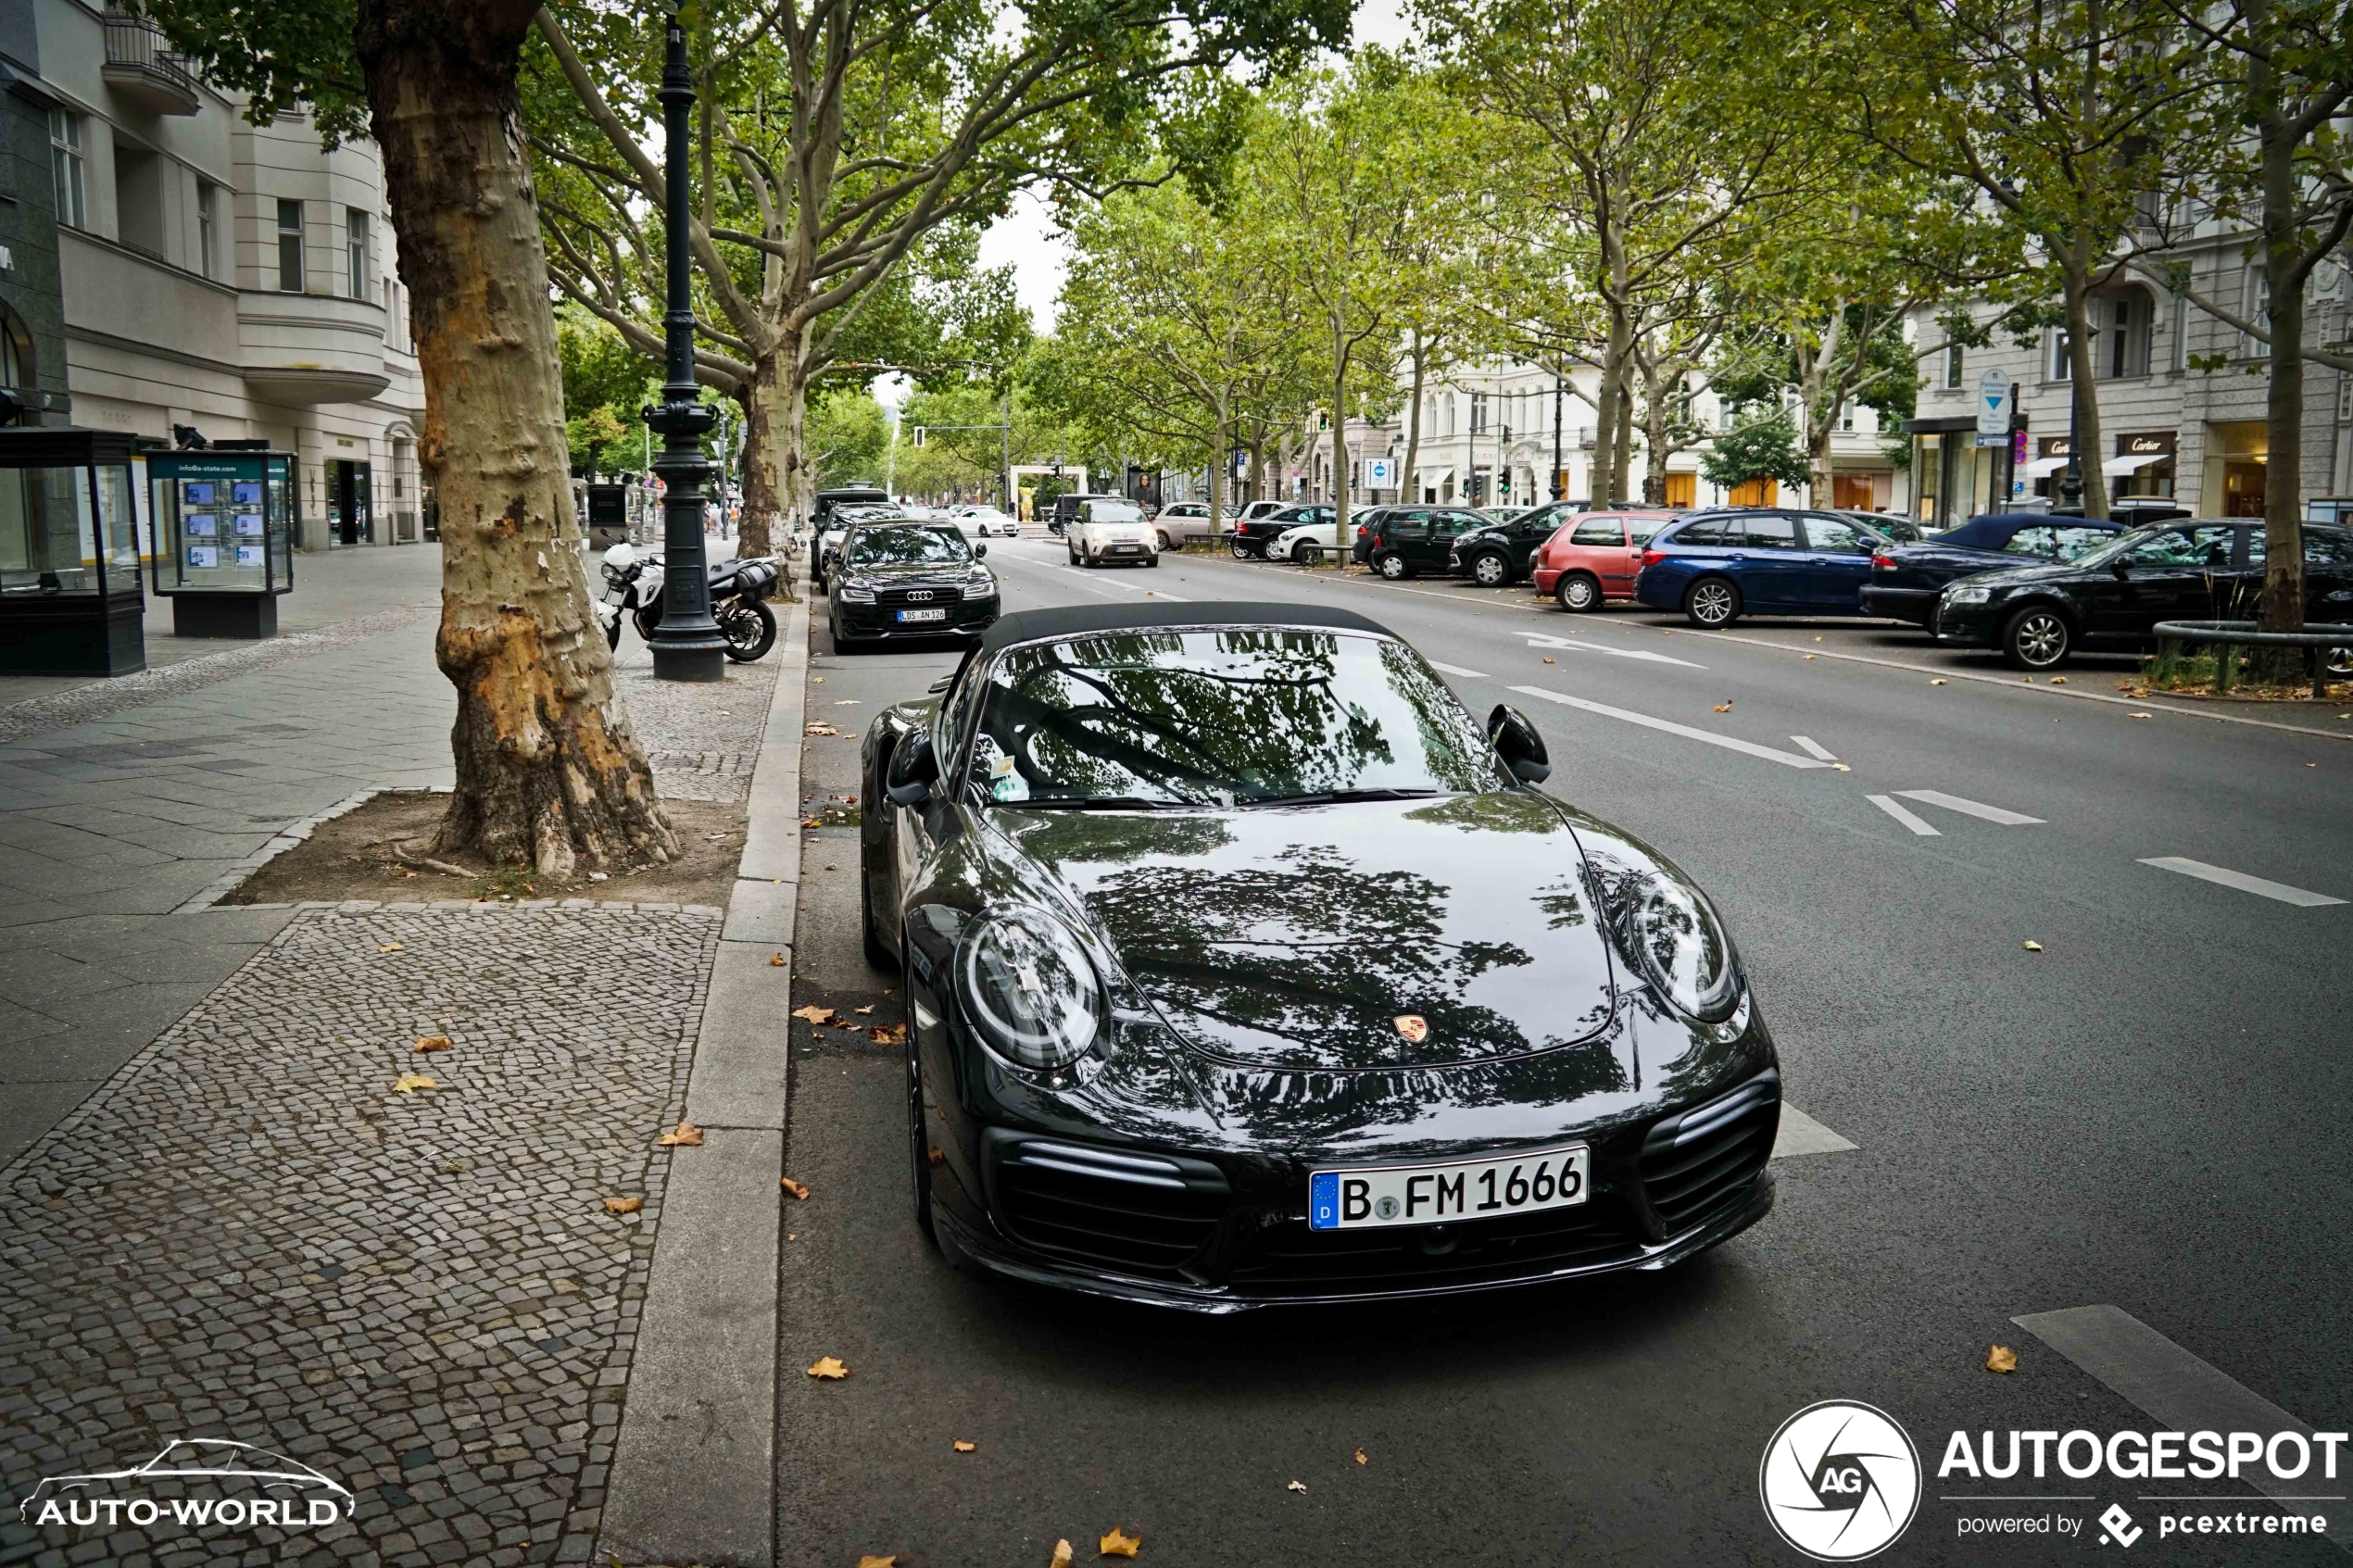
633, 588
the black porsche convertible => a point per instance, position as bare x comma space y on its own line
1244, 966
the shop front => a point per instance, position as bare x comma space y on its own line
2237, 460
1953, 477
2143, 465
70, 599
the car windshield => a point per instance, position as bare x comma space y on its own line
908, 546
2118, 545
1225, 716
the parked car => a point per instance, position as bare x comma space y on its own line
843, 496
902, 579
1255, 530
1506, 552
839, 519
1308, 542
1907, 579
1893, 526
980, 522
1181, 523
2036, 615
1594, 556
1105, 531
1066, 509
1163, 1043
1407, 541
1719, 566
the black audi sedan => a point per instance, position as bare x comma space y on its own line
904, 579
1244, 966
1904, 581
2036, 615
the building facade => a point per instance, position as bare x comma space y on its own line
32, 352
221, 279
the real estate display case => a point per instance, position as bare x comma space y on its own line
224, 528
70, 600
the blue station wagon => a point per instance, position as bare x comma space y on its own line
1720, 565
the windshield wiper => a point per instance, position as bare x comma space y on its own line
1336, 797
1093, 803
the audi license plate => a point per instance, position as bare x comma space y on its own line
1369, 1197
922, 615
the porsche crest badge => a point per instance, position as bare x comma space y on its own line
1412, 1026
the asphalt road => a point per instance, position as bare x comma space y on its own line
2148, 1113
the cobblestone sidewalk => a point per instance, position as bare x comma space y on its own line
248, 1234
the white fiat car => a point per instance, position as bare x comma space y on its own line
1109, 530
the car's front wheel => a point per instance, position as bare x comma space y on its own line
1491, 570
1577, 590
1306, 554
2037, 637
1393, 567
1241, 551
1712, 603
1164, 544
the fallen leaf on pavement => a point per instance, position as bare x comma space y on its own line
798, 1190
392, 947
1064, 1555
1360, 1458
2033, 946
623, 1205
1296, 1486
939, 1157
815, 1013
816, 680
863, 1012
888, 1034
822, 729
1548, 661
1938, 681
1842, 766
1812, 656
776, 961
684, 1136
869, 1560
410, 1083
2004, 1359
1117, 1545
433, 1042
810, 823
830, 1369
964, 1448
849, 702
1723, 708
2140, 715
2059, 679
2030, 679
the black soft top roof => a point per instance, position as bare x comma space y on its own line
1079, 621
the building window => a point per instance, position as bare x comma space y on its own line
2128, 336
208, 228
2062, 366
2259, 311
1846, 418
1478, 413
2179, 358
355, 230
1953, 354
65, 160
289, 247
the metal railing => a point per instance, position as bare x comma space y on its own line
136, 40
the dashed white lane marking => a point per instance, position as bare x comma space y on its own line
2240, 880
1972, 808
1807, 744
1103, 584
1902, 814
1801, 1133
1787, 759
1545, 640
2183, 1393
1458, 670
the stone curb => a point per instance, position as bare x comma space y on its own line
228, 880
694, 1473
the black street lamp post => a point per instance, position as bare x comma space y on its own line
686, 643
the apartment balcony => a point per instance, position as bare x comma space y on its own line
300, 350
143, 71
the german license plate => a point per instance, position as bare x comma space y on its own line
1368, 1198
922, 615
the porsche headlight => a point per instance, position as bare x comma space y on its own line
1029, 989
852, 592
1968, 594
1680, 946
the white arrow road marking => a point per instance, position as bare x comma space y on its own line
1458, 670
1807, 744
1787, 759
1971, 808
1800, 1133
1544, 640
1902, 814
2240, 881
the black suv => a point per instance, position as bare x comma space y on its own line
1506, 552
906, 579
1406, 541
2211, 569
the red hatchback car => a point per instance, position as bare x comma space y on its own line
1594, 556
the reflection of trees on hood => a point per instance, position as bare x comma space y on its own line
1052, 837
1314, 952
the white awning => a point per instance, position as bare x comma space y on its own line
1433, 479
2042, 466
2136, 461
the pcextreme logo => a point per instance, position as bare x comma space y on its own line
1840, 1481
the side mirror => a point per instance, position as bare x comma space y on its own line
2117, 567
1516, 742
980, 552
913, 769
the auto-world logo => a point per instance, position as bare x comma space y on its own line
1840, 1481
196, 1483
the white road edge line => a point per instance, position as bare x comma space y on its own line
2175, 1388
1787, 759
1545, 640
1800, 1133
2260, 885
1807, 744
1458, 670
1902, 814
1972, 808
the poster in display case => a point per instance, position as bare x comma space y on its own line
70, 599
225, 523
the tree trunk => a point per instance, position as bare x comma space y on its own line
1622, 464
2085, 389
547, 772
1607, 396
2282, 608
1408, 489
1340, 442
1218, 467
764, 503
